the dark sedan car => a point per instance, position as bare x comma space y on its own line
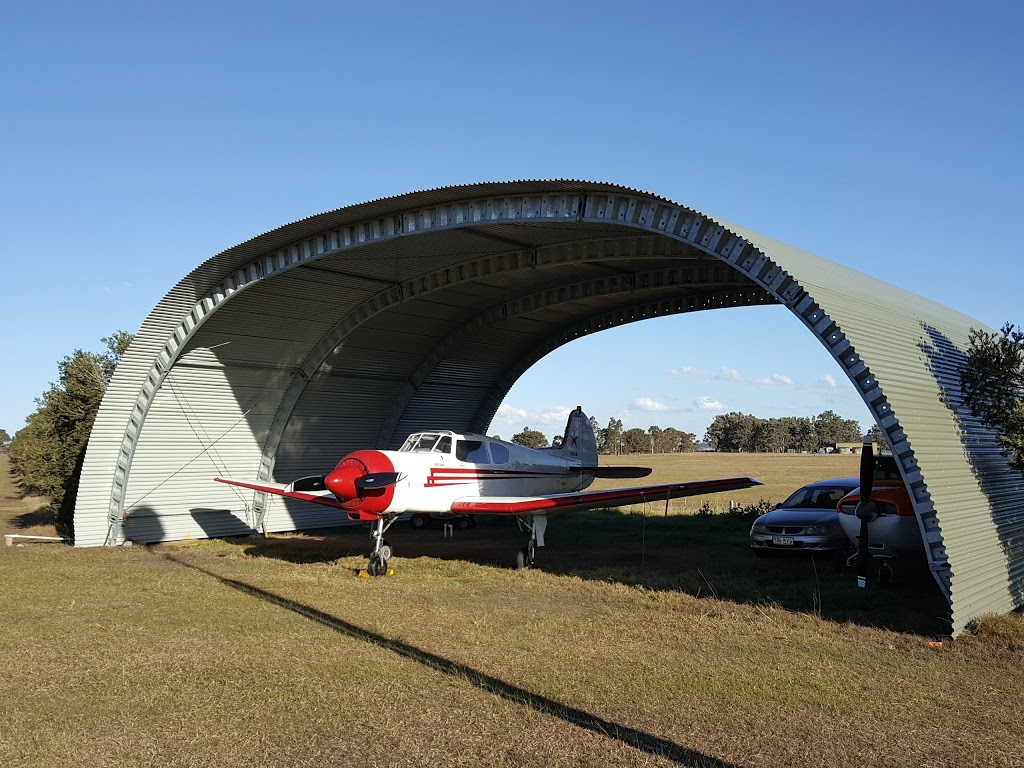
805, 522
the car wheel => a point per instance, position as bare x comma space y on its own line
839, 558
419, 522
462, 523
886, 576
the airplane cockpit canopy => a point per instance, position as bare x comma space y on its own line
473, 449
425, 442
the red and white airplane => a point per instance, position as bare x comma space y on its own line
441, 472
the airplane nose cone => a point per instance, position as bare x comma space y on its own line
342, 481
364, 482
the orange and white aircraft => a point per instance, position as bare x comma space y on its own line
441, 472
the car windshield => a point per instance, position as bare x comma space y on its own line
885, 468
818, 497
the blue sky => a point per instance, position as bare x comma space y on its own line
142, 138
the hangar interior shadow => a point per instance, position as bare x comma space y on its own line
706, 556
640, 740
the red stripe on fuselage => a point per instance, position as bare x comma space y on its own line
444, 476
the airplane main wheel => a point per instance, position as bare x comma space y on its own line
419, 522
386, 551
521, 559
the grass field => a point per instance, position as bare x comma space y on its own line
640, 640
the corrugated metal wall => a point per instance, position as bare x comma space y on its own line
354, 327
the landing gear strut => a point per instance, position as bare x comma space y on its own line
535, 524
382, 552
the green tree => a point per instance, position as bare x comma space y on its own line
635, 440
47, 453
598, 434
831, 428
531, 438
657, 440
769, 436
677, 441
613, 436
731, 432
880, 443
4, 439
801, 435
992, 381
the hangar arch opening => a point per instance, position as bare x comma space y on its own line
355, 327
682, 371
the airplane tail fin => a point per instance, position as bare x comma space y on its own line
579, 441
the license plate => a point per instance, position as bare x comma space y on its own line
782, 541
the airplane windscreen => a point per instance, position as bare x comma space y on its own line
421, 443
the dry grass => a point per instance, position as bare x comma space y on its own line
27, 515
781, 473
260, 653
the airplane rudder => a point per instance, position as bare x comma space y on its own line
580, 441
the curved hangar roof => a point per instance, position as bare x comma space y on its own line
355, 327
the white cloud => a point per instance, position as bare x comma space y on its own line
829, 380
734, 375
695, 373
558, 414
509, 414
705, 403
646, 404
517, 418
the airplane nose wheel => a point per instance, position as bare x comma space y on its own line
382, 551
378, 565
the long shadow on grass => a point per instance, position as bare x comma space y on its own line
645, 742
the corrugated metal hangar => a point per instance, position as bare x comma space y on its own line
353, 328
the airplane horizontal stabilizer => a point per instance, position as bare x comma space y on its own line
620, 473
568, 502
326, 498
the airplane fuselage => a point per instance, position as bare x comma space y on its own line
436, 469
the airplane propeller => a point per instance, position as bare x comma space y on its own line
867, 510
351, 481
376, 480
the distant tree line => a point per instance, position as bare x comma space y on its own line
743, 432
47, 453
613, 439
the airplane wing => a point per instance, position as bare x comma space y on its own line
567, 502
317, 496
